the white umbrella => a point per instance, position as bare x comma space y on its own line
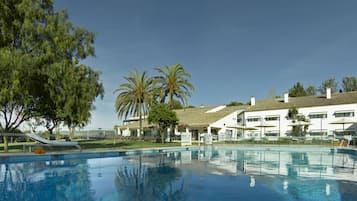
243, 128
299, 123
343, 121
264, 125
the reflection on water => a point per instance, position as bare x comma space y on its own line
206, 174
55, 180
158, 181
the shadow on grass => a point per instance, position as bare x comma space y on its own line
104, 145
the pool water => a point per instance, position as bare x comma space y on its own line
208, 173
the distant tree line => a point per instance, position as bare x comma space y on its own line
42, 78
349, 83
234, 103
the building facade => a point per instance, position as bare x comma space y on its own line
215, 120
323, 116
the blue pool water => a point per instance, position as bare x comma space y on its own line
207, 173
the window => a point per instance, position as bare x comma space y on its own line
239, 119
344, 114
253, 119
181, 129
344, 132
271, 134
318, 132
133, 132
318, 116
272, 118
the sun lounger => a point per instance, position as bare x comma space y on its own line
45, 142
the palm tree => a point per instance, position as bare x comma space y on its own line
174, 83
135, 96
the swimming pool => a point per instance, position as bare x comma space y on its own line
206, 173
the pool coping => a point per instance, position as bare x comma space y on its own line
87, 154
66, 155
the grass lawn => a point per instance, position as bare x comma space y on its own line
92, 145
109, 144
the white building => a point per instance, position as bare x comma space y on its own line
205, 119
329, 115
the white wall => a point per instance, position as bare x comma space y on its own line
227, 121
326, 123
316, 124
279, 125
123, 132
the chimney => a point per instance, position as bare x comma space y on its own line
252, 101
328, 93
286, 97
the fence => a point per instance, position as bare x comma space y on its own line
84, 134
92, 134
13, 137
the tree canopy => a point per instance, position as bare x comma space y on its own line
140, 92
311, 90
135, 96
174, 82
235, 103
297, 90
176, 105
161, 115
329, 83
41, 51
300, 122
349, 84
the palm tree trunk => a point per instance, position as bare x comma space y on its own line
140, 121
171, 132
171, 100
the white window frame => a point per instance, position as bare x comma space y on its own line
351, 112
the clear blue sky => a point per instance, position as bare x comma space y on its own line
233, 49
